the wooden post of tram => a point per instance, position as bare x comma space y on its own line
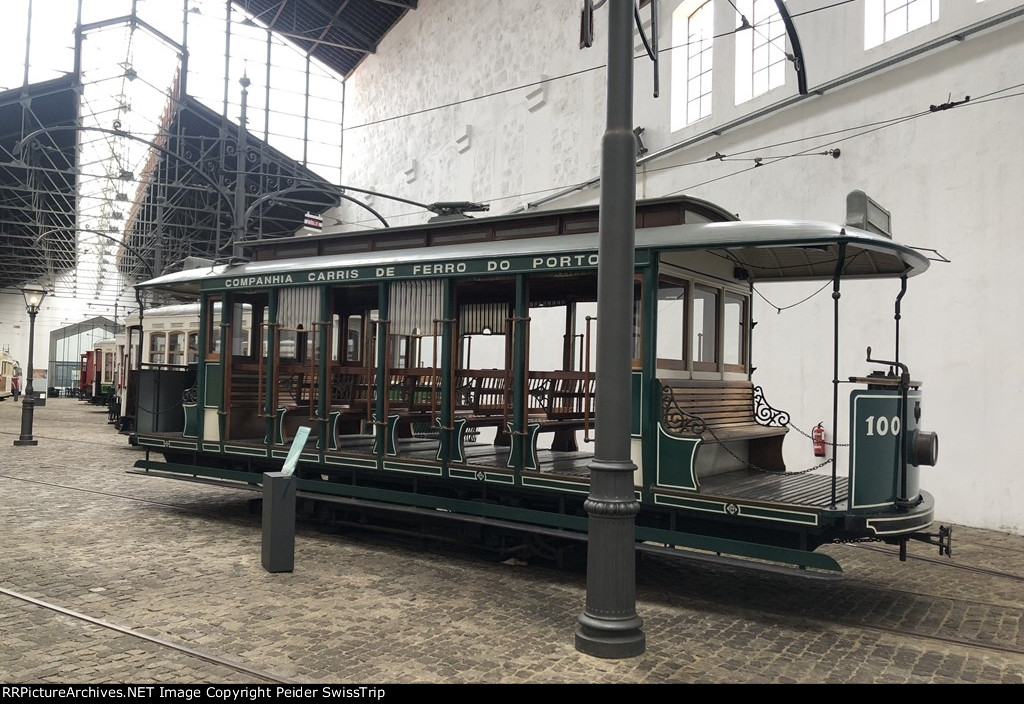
609, 626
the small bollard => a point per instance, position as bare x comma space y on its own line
278, 552
278, 522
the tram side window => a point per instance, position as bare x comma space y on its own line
157, 348
334, 338
400, 351
213, 319
298, 344
301, 345
287, 343
176, 348
735, 352
415, 351
704, 340
482, 330
241, 326
576, 315
192, 356
354, 339
347, 339
671, 338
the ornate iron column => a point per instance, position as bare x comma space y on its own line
238, 226
33, 300
609, 626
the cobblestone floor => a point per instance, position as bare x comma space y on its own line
180, 564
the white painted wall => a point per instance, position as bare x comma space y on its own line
519, 141
953, 180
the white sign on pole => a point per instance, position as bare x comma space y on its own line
293, 452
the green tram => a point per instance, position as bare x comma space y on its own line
446, 371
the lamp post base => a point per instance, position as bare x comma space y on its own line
610, 639
28, 407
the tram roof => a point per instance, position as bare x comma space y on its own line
766, 250
177, 310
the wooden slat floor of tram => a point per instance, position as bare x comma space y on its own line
814, 490
486, 455
794, 489
355, 442
565, 463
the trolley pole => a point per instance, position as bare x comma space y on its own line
609, 626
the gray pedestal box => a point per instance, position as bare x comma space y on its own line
278, 521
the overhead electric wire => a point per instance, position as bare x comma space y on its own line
861, 130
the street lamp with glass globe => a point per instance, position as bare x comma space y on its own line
33, 300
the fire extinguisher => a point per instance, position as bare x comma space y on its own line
818, 439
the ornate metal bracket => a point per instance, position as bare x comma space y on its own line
343, 389
466, 393
541, 393
675, 419
765, 414
293, 385
190, 395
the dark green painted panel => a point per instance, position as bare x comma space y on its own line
675, 466
877, 431
800, 558
214, 384
637, 407
540, 518
191, 420
798, 517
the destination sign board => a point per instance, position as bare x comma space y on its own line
411, 270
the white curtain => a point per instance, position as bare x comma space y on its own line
298, 306
415, 305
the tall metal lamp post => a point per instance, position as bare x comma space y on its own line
609, 626
33, 299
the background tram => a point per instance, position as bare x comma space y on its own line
86, 374
10, 376
161, 347
483, 331
100, 373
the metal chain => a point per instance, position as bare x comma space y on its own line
762, 469
851, 541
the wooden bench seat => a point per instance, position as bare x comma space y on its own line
730, 413
561, 395
557, 401
483, 393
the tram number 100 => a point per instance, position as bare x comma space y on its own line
883, 425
